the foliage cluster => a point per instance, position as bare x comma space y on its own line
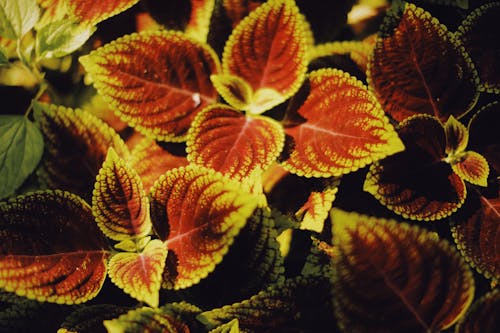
253, 166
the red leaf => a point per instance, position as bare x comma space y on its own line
197, 212
157, 81
199, 21
268, 51
151, 160
232, 143
139, 274
94, 11
339, 127
479, 33
484, 137
418, 66
76, 144
417, 183
119, 203
379, 285
237, 10
51, 248
472, 167
484, 315
477, 234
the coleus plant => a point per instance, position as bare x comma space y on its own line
226, 209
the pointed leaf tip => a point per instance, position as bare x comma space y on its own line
378, 283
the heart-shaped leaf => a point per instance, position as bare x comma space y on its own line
232, 143
95, 11
51, 248
119, 203
146, 320
267, 50
484, 137
197, 212
89, 319
478, 33
477, 233
484, 315
76, 144
417, 183
418, 66
335, 126
473, 168
381, 286
139, 274
151, 160
157, 81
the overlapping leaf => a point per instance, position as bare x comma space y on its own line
358, 51
417, 183
477, 233
95, 11
53, 10
140, 274
237, 10
119, 202
232, 143
478, 33
230, 327
76, 144
199, 21
89, 319
381, 286
157, 81
418, 66
17, 17
146, 320
484, 315
197, 212
150, 160
336, 126
51, 248
484, 136
267, 51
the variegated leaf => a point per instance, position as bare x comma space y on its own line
76, 144
94, 11
335, 126
381, 286
457, 136
484, 315
152, 160
418, 66
89, 319
197, 212
267, 50
157, 81
473, 168
418, 183
119, 202
232, 143
479, 35
51, 248
199, 20
140, 274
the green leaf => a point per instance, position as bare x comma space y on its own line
61, 38
17, 17
21, 148
4, 59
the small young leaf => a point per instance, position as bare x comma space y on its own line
472, 167
476, 234
89, 319
4, 58
230, 327
484, 315
76, 144
61, 38
197, 212
146, 320
268, 51
457, 136
478, 33
418, 66
92, 12
51, 248
151, 160
119, 203
338, 129
381, 286
139, 274
315, 211
232, 143
53, 10
21, 148
417, 183
17, 17
157, 81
